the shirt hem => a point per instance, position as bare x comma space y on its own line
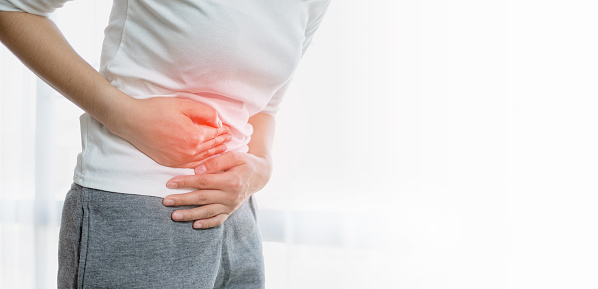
127, 187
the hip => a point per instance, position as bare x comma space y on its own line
121, 240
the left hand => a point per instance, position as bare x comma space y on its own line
223, 183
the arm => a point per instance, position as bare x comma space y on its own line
41, 46
263, 135
223, 183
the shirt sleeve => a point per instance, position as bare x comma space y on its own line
316, 10
37, 7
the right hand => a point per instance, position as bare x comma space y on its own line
174, 132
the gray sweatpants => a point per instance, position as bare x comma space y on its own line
112, 240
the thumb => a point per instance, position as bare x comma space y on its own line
203, 114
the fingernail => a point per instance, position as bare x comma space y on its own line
201, 169
218, 121
177, 216
197, 225
172, 185
168, 202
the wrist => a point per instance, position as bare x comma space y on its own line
116, 111
264, 166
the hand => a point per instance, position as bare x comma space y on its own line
223, 183
174, 132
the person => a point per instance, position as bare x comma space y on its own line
176, 134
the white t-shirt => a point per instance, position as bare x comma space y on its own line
236, 56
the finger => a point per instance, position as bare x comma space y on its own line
220, 163
224, 181
195, 198
203, 212
202, 114
202, 156
219, 131
193, 181
210, 222
205, 133
214, 142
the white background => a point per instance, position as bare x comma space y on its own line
423, 144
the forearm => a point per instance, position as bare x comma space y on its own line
262, 138
263, 134
40, 45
